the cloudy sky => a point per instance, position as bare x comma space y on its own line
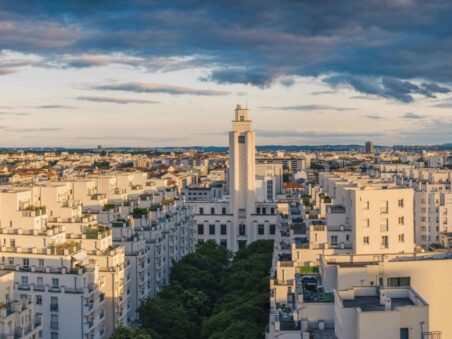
160, 73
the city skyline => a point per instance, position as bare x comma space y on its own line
151, 75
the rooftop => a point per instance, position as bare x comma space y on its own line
372, 303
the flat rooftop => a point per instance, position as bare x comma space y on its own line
372, 303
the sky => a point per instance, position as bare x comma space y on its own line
83, 73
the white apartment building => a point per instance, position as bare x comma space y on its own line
371, 313
426, 273
85, 278
17, 316
367, 216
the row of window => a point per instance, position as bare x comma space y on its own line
212, 210
384, 205
259, 210
242, 229
384, 225
39, 281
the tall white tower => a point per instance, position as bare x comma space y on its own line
242, 174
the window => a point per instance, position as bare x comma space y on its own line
200, 241
223, 210
264, 210
24, 280
260, 229
400, 203
38, 299
272, 229
334, 239
366, 205
347, 237
212, 229
399, 282
26, 262
54, 335
224, 243
54, 304
242, 229
385, 241
55, 282
242, 244
258, 210
54, 321
39, 281
366, 223
41, 262
401, 221
223, 229
201, 210
12, 242
366, 240
384, 207
241, 139
384, 227
401, 237
272, 210
200, 229
212, 210
270, 190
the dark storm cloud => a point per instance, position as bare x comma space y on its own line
397, 49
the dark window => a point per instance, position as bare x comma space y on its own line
272, 210
223, 210
211, 229
201, 210
242, 244
223, 229
242, 229
224, 243
212, 210
399, 282
272, 229
260, 229
404, 333
200, 229
258, 210
264, 210
241, 139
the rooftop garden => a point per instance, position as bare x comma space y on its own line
70, 245
108, 207
140, 212
94, 232
309, 270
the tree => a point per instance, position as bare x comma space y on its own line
130, 333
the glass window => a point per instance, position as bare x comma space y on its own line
242, 229
223, 229
211, 229
260, 229
272, 229
200, 229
